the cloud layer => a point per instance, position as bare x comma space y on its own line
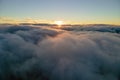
69, 53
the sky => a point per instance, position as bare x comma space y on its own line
69, 11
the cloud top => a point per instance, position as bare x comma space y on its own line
70, 53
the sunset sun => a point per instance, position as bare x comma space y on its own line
59, 23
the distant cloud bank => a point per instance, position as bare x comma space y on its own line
33, 52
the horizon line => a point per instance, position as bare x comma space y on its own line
53, 24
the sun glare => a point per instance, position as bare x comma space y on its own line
59, 23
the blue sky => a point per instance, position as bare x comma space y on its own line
74, 11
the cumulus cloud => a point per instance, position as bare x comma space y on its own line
45, 53
98, 28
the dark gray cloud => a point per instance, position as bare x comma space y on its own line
98, 28
46, 53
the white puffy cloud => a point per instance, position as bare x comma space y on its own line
37, 53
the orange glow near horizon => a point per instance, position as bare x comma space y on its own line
59, 22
